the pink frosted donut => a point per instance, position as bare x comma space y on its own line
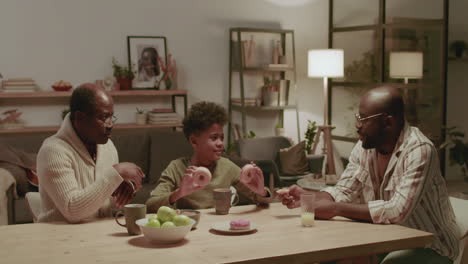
240, 224
201, 176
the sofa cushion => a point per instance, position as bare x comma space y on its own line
165, 147
293, 159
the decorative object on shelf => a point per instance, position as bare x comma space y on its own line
61, 86
279, 129
309, 135
11, 120
140, 116
326, 63
407, 65
458, 47
169, 74
248, 51
109, 83
269, 92
123, 75
144, 51
283, 91
19, 85
458, 149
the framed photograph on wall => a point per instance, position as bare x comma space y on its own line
143, 54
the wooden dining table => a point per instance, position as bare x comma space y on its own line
278, 238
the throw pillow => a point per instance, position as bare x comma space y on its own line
293, 160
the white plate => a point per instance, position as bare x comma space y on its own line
225, 227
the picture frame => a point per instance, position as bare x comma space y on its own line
143, 53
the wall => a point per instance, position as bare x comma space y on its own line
50, 40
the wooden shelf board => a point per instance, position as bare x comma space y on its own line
260, 30
264, 69
39, 129
49, 94
266, 108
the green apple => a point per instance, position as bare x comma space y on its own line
168, 224
153, 222
181, 220
166, 214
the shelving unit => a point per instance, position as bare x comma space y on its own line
236, 36
385, 32
129, 93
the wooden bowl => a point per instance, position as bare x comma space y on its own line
61, 88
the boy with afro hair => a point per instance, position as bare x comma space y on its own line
203, 127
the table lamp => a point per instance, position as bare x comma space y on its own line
325, 63
407, 65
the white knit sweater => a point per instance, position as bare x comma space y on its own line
72, 186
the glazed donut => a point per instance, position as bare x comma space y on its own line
201, 176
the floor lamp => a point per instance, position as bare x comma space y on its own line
407, 65
325, 63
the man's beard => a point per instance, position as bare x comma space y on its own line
372, 141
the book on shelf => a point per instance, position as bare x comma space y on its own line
162, 110
28, 90
279, 66
247, 101
163, 115
167, 122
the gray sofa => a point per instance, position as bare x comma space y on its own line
151, 149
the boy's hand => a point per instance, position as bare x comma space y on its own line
252, 177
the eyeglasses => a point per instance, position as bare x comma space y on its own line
360, 119
107, 119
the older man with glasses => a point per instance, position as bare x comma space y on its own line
393, 177
78, 167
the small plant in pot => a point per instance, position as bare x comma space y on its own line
123, 75
458, 47
279, 129
140, 116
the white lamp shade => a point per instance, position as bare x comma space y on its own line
406, 65
325, 63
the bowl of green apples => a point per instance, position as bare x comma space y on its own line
166, 227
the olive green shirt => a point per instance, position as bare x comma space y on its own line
225, 174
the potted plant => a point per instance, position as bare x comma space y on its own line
140, 116
458, 149
458, 47
279, 129
310, 135
123, 75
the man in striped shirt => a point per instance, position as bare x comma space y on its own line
393, 177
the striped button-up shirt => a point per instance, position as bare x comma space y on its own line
411, 193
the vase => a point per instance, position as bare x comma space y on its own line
124, 82
140, 118
270, 97
279, 132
